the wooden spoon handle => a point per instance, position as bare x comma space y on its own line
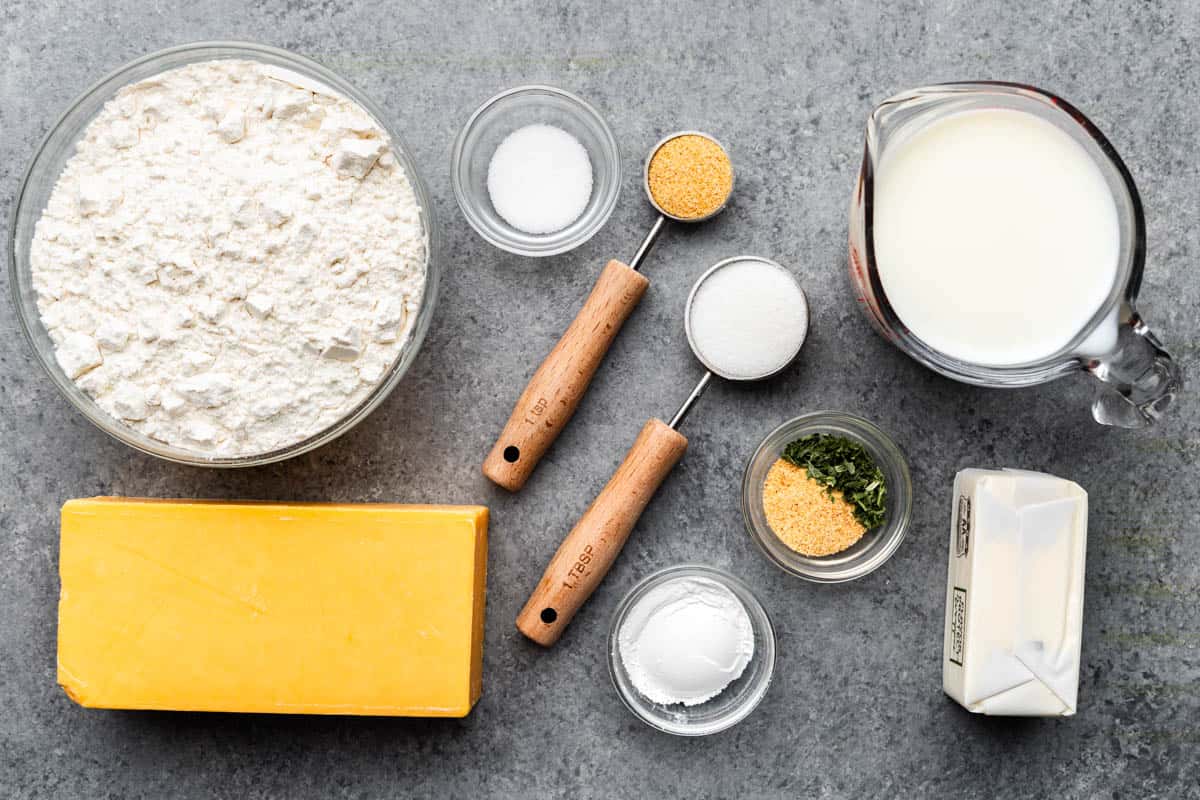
584, 557
556, 388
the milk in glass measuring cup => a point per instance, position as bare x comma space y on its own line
997, 238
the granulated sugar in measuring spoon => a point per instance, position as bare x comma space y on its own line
688, 177
746, 320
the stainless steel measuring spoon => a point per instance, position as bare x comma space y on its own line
589, 550
558, 385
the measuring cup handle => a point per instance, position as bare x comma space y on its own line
585, 556
1140, 378
555, 390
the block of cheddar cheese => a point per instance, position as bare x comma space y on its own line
272, 607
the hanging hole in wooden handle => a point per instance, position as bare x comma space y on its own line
555, 390
585, 556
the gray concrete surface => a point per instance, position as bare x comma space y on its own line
856, 708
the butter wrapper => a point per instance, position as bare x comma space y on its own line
1014, 593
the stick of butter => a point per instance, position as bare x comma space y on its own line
272, 607
1014, 594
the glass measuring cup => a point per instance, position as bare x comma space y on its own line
589, 550
1139, 378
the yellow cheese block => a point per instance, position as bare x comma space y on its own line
272, 607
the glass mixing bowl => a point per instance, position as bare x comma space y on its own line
877, 545
737, 700
505, 113
59, 146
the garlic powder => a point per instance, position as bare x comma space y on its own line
685, 641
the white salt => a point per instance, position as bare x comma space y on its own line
540, 179
748, 319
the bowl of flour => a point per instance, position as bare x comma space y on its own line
222, 255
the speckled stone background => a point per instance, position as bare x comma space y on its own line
856, 708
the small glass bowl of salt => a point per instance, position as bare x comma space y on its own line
536, 171
877, 545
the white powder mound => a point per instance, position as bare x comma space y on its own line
748, 319
540, 179
232, 259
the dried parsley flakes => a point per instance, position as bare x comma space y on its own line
845, 465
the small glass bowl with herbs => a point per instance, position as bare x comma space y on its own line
827, 496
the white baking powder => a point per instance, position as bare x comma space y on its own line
684, 641
232, 259
540, 179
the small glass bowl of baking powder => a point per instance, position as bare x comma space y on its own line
59, 145
877, 545
510, 111
735, 702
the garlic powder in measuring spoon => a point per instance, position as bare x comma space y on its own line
685, 641
747, 318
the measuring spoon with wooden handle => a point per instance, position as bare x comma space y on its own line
553, 393
585, 556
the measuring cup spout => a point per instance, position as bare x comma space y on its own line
1140, 378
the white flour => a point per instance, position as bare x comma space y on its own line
232, 259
